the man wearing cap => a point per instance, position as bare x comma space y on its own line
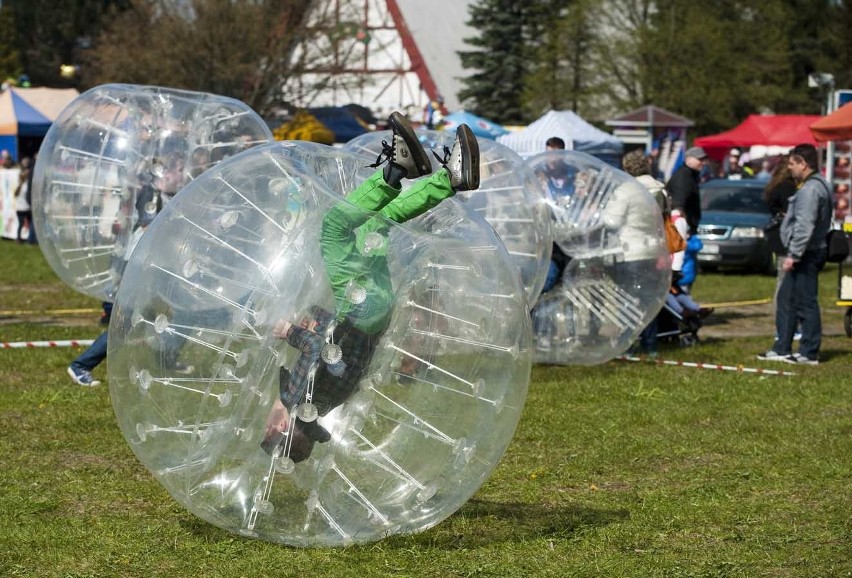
683, 188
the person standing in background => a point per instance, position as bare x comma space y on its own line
803, 233
683, 188
22, 195
32, 238
779, 189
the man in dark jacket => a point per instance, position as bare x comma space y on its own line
683, 187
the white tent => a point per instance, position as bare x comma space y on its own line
567, 125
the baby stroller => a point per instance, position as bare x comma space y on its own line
672, 326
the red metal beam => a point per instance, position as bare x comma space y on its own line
418, 64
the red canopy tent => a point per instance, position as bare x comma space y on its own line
836, 126
784, 130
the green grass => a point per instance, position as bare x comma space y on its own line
623, 469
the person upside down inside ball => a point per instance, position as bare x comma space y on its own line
335, 349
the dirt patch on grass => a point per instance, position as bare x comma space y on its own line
758, 319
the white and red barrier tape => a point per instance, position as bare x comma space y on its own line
738, 368
66, 343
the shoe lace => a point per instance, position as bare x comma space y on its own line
387, 154
446, 158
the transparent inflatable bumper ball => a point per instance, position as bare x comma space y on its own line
617, 269
112, 159
283, 393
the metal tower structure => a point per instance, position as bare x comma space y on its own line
361, 52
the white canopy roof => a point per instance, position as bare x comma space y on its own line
578, 135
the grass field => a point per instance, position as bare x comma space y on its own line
625, 469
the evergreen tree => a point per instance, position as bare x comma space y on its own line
499, 60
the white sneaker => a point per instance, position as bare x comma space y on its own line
773, 356
82, 377
802, 360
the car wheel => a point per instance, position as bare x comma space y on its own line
847, 322
770, 264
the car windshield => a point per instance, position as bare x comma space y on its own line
733, 198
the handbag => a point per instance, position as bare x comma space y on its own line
674, 241
772, 232
774, 223
837, 246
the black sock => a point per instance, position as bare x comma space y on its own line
394, 174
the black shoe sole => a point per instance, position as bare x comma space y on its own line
469, 144
402, 127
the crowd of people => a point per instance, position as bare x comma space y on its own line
799, 199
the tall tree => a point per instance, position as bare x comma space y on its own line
499, 60
718, 62
236, 48
837, 55
10, 56
51, 33
563, 74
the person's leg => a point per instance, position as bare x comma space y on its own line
406, 159
779, 276
32, 237
688, 302
365, 272
648, 337
80, 370
360, 281
673, 303
806, 298
785, 317
21, 219
94, 355
460, 172
419, 198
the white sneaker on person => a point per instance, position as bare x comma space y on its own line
82, 376
802, 360
182, 368
773, 356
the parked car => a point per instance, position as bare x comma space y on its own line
733, 216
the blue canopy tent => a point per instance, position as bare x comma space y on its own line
481, 127
26, 115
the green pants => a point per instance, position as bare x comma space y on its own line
354, 244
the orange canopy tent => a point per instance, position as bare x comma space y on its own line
836, 126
